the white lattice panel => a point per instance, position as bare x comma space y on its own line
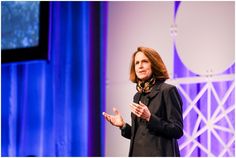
209, 115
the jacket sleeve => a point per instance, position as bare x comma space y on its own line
126, 131
171, 125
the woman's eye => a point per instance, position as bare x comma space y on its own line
145, 61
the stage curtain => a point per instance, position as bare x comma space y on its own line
54, 107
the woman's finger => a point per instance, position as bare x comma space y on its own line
140, 103
104, 114
107, 116
116, 111
134, 110
136, 105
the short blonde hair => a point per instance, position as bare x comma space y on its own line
158, 67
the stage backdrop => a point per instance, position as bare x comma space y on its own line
196, 41
54, 107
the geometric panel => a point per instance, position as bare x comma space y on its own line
209, 115
205, 30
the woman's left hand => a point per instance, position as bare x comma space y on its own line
141, 110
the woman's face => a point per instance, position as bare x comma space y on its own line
143, 68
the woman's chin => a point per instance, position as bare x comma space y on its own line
143, 78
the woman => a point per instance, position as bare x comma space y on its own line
156, 111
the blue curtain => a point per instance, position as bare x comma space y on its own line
54, 107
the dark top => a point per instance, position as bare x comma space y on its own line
158, 137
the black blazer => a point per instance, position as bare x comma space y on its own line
159, 135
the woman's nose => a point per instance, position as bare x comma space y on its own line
140, 65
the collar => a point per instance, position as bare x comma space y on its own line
155, 90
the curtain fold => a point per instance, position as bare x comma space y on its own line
54, 108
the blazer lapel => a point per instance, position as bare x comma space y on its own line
155, 91
137, 97
152, 95
136, 100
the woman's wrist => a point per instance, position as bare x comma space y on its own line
123, 126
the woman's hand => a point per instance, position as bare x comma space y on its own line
115, 120
141, 110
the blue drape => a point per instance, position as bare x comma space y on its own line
53, 108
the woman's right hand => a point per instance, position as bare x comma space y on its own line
115, 120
